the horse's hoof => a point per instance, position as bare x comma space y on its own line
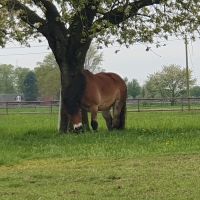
94, 125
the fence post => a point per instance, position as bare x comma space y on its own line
138, 101
182, 104
189, 106
7, 108
51, 107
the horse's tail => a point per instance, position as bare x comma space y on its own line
122, 116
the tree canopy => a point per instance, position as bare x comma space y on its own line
171, 82
30, 88
93, 60
48, 76
20, 74
12, 79
133, 88
195, 91
129, 21
6, 79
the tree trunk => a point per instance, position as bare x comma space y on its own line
63, 118
69, 48
69, 70
85, 120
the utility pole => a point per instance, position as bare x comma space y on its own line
187, 71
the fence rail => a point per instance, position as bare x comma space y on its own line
11, 107
133, 105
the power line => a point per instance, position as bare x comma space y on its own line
36, 46
138, 43
24, 54
119, 46
24, 47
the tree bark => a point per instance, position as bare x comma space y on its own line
85, 120
70, 67
69, 48
63, 118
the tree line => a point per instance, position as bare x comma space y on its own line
20, 81
44, 81
170, 82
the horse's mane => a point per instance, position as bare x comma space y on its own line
86, 72
75, 93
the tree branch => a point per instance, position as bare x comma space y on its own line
26, 14
118, 15
51, 10
52, 14
83, 19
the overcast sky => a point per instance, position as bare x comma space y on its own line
134, 62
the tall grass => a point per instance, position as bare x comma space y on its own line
25, 137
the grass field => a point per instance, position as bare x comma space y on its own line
157, 157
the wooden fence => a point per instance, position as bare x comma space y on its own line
26, 107
133, 105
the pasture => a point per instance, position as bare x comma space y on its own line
156, 157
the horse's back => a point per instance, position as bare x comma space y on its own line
110, 82
104, 88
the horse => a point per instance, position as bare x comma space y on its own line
97, 92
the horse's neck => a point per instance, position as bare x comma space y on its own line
87, 73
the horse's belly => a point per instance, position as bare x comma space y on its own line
103, 101
103, 107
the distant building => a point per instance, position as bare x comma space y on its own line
10, 97
18, 98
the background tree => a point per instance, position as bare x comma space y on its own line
195, 91
134, 88
93, 60
70, 26
48, 77
151, 87
6, 79
171, 82
125, 80
20, 74
30, 89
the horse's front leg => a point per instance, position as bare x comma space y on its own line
94, 122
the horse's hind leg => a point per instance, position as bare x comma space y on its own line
94, 122
108, 118
116, 114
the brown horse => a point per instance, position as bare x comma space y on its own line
98, 92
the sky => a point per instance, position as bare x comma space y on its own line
134, 62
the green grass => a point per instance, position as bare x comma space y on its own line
156, 157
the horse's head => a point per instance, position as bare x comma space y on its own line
76, 120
